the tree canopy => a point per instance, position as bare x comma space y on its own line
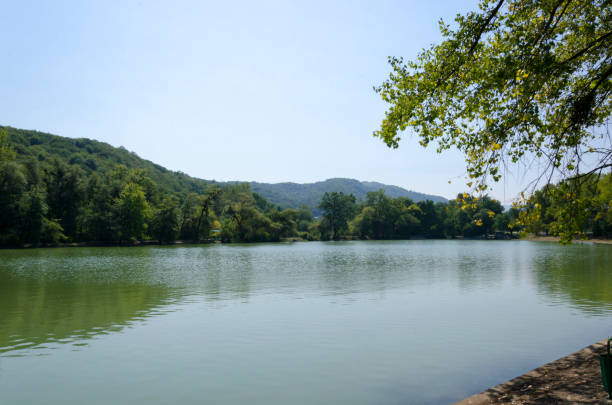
338, 208
516, 80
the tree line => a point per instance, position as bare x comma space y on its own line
50, 201
383, 217
571, 209
574, 208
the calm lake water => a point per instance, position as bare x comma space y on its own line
305, 323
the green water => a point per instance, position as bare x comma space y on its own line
305, 323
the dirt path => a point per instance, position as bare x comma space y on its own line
574, 379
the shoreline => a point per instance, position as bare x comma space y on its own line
136, 243
575, 378
153, 242
148, 242
556, 239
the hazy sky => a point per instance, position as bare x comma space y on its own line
263, 91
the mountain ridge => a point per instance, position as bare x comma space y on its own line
290, 194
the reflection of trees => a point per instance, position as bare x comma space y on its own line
62, 295
581, 273
39, 311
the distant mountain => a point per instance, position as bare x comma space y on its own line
295, 195
94, 156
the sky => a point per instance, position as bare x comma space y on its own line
267, 91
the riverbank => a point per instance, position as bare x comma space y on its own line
573, 379
145, 242
556, 239
129, 243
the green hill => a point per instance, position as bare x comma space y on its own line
295, 195
91, 156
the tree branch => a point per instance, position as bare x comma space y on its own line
586, 49
484, 26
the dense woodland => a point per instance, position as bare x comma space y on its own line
90, 155
50, 194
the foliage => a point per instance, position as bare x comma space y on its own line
64, 195
470, 216
51, 232
586, 209
13, 186
338, 208
198, 214
518, 79
247, 224
7, 153
133, 212
91, 156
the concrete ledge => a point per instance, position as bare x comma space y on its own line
573, 379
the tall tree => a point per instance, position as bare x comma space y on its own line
65, 192
338, 208
133, 212
202, 225
13, 186
165, 223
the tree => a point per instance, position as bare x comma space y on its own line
287, 219
51, 232
429, 217
304, 218
165, 223
602, 224
338, 208
7, 153
97, 219
133, 212
64, 195
586, 208
33, 215
516, 80
12, 192
245, 224
202, 225
380, 217
188, 214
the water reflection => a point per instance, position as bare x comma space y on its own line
580, 274
45, 300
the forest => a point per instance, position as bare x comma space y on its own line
50, 199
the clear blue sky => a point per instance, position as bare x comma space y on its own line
263, 91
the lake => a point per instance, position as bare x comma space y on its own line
397, 322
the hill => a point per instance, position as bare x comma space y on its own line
94, 156
295, 195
